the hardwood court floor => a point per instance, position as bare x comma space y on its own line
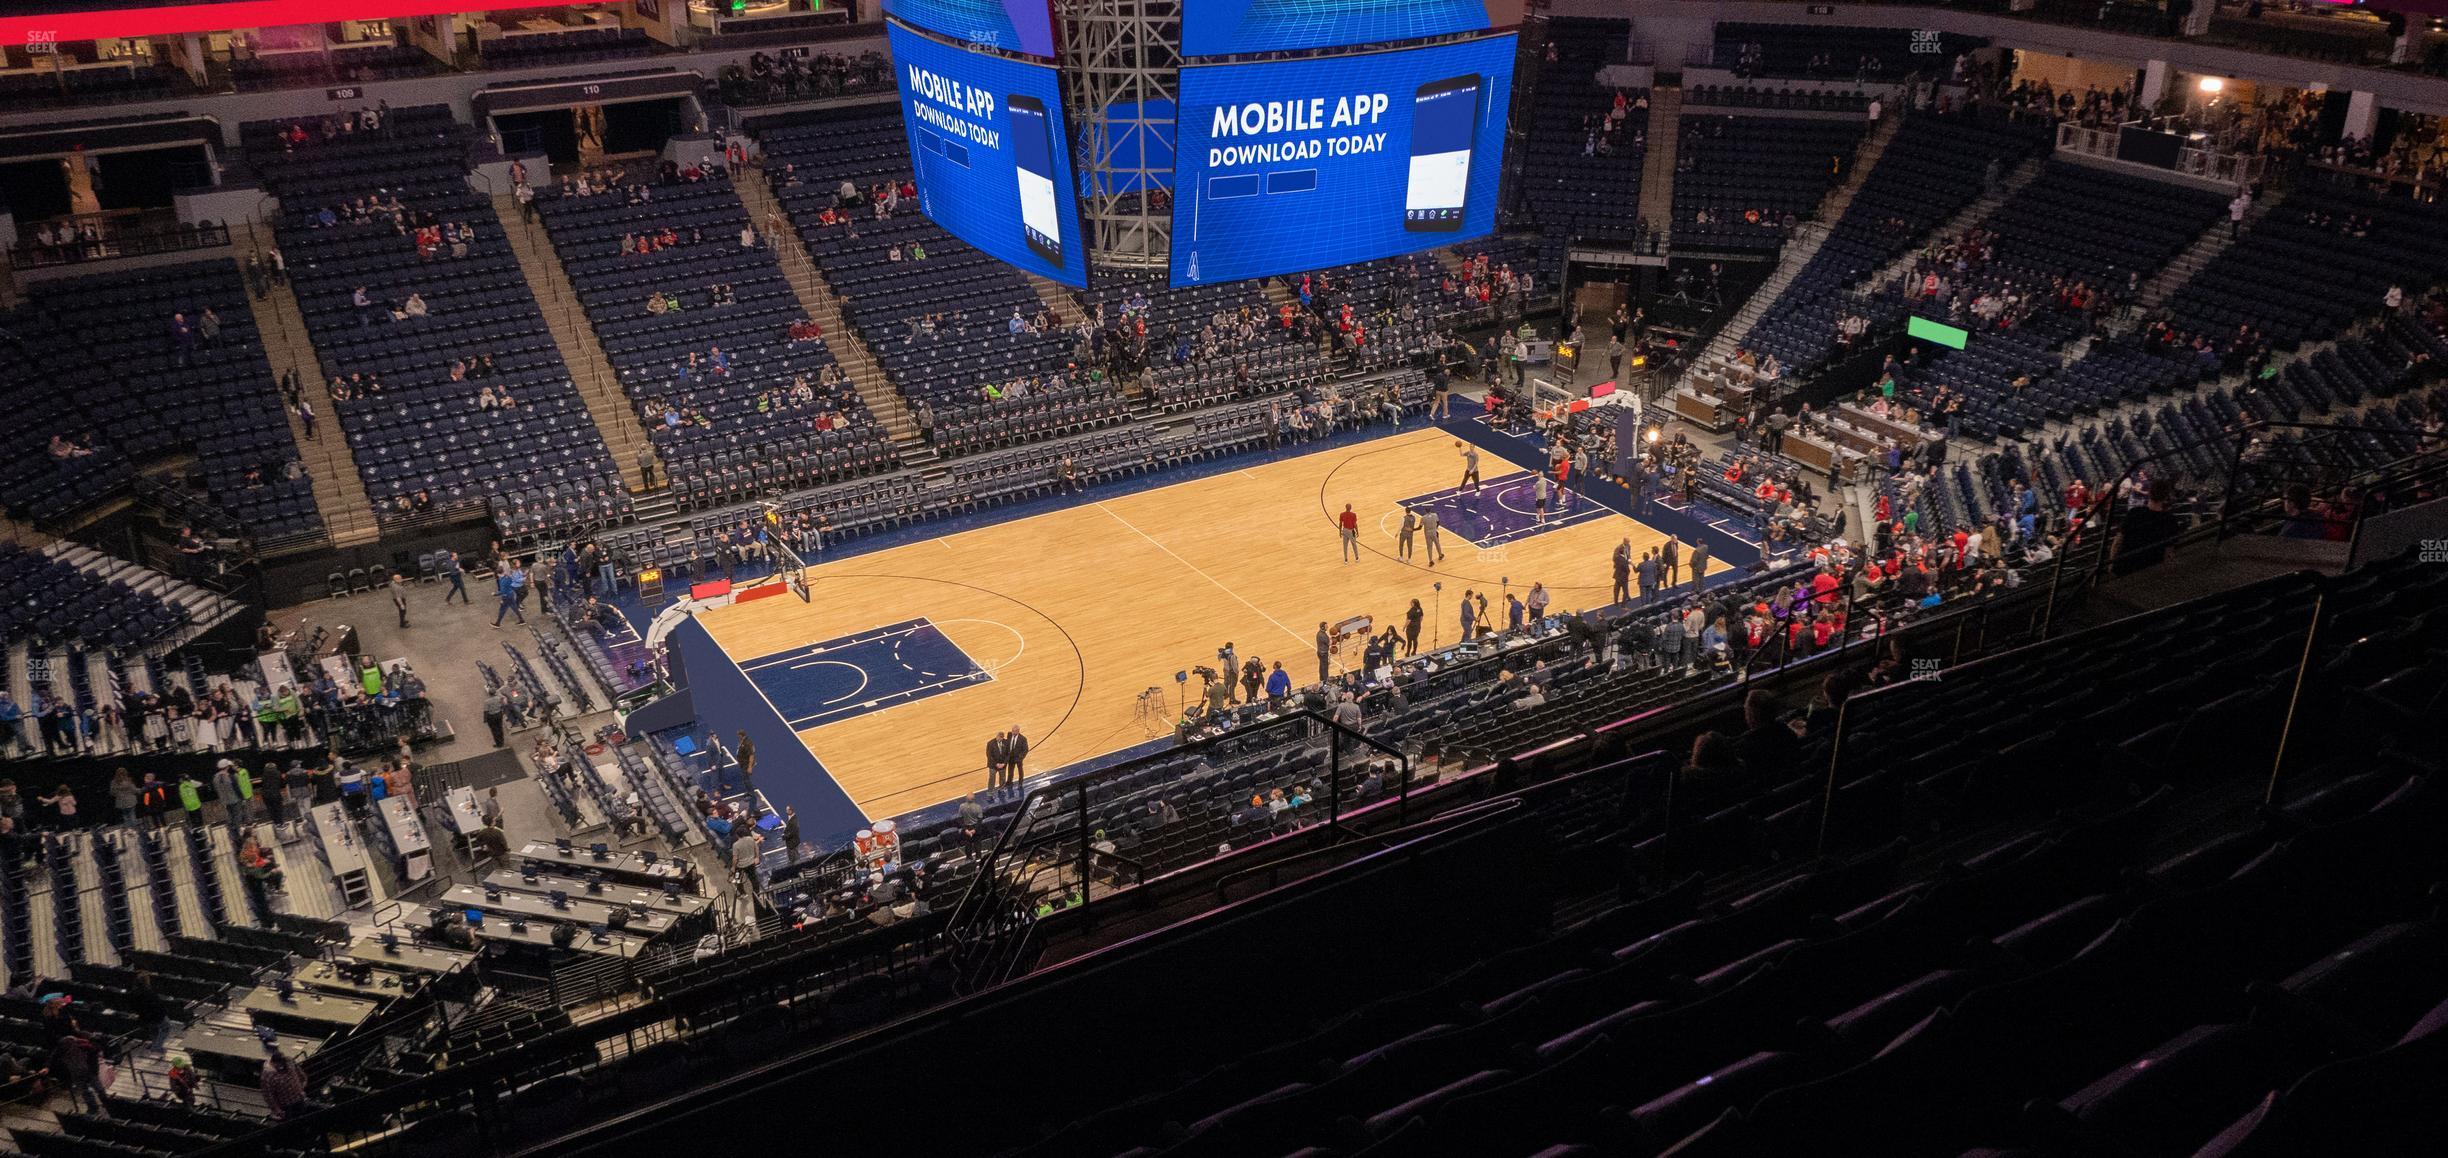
1077, 611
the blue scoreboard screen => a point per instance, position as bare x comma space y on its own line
1233, 27
1295, 165
991, 153
1023, 26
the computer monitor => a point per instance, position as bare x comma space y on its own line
601, 850
389, 942
475, 918
563, 844
595, 882
493, 893
648, 855
527, 873
560, 899
285, 988
599, 932
518, 924
671, 890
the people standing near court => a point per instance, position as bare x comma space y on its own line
1669, 561
1015, 755
1411, 626
1538, 498
398, 588
1621, 564
1349, 523
1278, 687
1325, 650
1699, 564
745, 753
456, 573
510, 586
1470, 615
1410, 528
1428, 536
494, 712
1647, 571
997, 763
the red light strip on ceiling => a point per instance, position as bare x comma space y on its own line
65, 27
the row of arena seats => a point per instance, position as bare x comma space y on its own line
152, 391
667, 360
2160, 983
424, 433
1565, 184
2074, 225
1933, 167
1750, 173
1824, 52
2321, 257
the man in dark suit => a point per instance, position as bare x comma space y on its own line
1015, 757
996, 759
1623, 571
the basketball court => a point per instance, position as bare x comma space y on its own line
903, 661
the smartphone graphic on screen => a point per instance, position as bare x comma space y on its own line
1444, 119
1033, 163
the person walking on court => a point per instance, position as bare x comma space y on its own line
1622, 563
399, 596
1325, 650
1669, 560
1349, 523
457, 574
1699, 564
1470, 465
510, 586
1410, 528
1411, 626
1428, 536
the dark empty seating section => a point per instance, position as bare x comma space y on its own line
518, 49
215, 397
2069, 967
50, 602
42, 476
1578, 178
2321, 258
1826, 52
424, 432
1740, 180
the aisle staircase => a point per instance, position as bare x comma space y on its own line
1964, 219
339, 491
1058, 299
866, 373
1807, 240
1665, 136
616, 417
2214, 241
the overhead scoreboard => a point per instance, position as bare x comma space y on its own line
990, 152
1292, 165
1377, 128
